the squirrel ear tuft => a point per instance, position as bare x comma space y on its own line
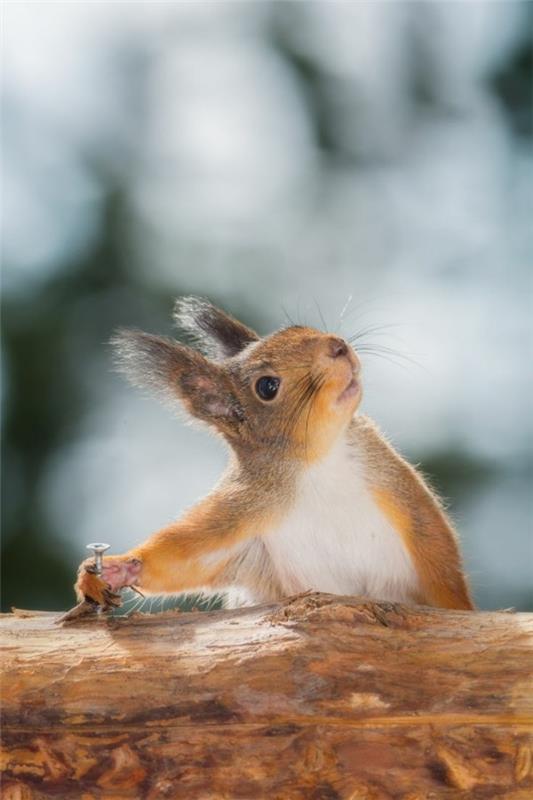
150, 362
219, 335
176, 372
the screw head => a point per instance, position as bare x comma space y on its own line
98, 549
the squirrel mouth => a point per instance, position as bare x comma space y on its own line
351, 391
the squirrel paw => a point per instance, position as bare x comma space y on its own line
102, 589
121, 572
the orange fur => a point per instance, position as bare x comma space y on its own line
172, 556
433, 550
220, 541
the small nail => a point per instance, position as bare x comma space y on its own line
98, 549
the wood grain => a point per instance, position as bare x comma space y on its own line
318, 698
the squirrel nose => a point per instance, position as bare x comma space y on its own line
337, 347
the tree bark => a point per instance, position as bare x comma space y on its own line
317, 698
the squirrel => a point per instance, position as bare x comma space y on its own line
313, 497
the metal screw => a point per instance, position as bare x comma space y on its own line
98, 549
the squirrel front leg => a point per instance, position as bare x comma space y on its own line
190, 553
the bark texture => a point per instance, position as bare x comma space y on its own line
317, 698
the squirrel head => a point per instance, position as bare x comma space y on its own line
290, 393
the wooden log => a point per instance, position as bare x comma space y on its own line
317, 698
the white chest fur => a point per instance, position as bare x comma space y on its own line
336, 539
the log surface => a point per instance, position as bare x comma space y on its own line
318, 698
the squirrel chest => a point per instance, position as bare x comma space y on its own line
336, 539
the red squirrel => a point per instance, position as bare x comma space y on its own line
313, 496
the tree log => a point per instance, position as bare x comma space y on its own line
317, 698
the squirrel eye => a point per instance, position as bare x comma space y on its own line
267, 387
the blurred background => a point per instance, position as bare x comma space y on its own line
347, 165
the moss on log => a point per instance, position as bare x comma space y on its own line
317, 698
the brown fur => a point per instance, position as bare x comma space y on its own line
219, 541
418, 516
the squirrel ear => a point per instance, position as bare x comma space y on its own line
218, 334
176, 372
